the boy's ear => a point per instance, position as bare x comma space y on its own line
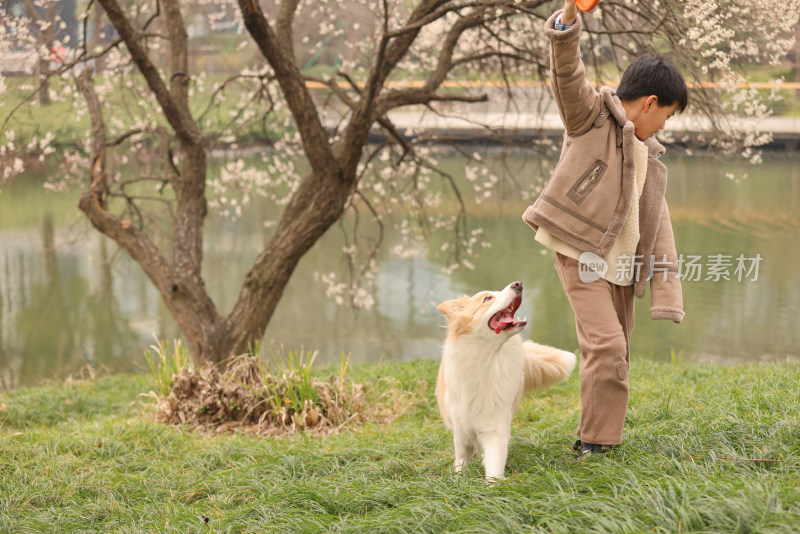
450, 307
650, 101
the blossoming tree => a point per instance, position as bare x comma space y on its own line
320, 164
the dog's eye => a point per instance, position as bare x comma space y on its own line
487, 299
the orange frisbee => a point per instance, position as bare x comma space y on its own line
586, 5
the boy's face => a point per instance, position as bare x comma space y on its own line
652, 117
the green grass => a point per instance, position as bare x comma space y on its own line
164, 360
84, 457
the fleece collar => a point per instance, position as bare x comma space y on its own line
617, 111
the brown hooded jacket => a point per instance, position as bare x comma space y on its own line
587, 199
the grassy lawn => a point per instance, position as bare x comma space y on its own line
708, 449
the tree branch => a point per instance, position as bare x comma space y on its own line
122, 137
378, 73
444, 65
176, 114
283, 25
335, 89
376, 248
315, 140
178, 57
391, 51
93, 204
486, 55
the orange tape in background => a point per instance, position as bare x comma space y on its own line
416, 84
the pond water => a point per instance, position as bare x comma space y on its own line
69, 297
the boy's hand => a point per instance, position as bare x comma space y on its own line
570, 12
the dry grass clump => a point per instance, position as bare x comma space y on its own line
248, 397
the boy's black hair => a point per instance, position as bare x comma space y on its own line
654, 75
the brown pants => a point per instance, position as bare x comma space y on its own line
604, 322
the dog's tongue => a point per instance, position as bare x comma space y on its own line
504, 321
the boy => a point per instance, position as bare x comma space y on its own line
604, 205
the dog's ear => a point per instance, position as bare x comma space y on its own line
450, 307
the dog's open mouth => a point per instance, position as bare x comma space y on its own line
505, 318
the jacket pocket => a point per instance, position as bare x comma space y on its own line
588, 181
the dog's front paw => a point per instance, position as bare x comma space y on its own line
494, 480
459, 464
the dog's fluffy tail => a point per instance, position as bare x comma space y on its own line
545, 366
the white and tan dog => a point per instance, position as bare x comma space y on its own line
486, 369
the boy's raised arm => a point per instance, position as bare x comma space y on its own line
578, 102
570, 13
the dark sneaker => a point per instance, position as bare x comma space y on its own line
577, 448
590, 449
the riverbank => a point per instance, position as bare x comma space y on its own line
492, 124
708, 448
520, 115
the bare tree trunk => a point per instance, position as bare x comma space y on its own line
315, 207
178, 279
178, 282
